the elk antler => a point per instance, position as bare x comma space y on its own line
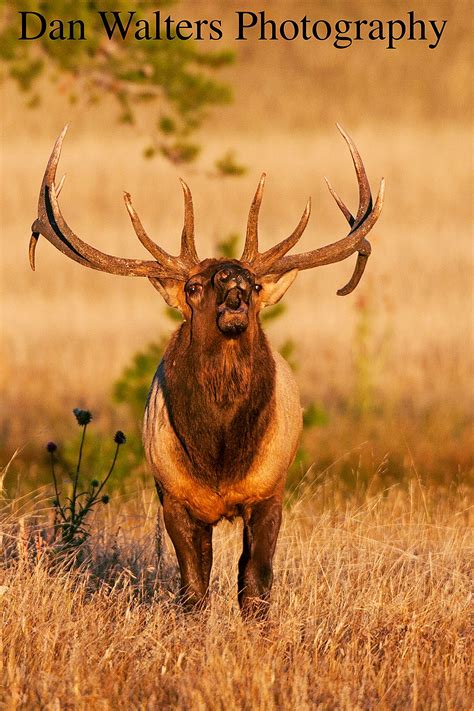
251, 253
274, 261
51, 224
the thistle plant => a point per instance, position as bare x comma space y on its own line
71, 527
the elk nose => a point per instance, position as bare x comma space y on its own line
233, 298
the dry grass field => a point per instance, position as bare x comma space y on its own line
371, 601
370, 611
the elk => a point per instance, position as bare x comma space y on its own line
223, 416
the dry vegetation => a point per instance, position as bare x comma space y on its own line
372, 575
370, 610
68, 332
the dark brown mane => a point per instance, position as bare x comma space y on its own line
219, 397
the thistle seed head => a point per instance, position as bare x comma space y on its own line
83, 417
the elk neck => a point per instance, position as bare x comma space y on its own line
219, 394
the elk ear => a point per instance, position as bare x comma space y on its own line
172, 292
274, 287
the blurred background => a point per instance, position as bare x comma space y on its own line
383, 373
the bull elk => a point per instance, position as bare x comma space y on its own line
223, 416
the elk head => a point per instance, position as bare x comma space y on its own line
227, 292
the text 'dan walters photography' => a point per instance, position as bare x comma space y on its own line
246, 26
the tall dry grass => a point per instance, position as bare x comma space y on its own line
68, 332
370, 610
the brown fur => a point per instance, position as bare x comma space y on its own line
219, 393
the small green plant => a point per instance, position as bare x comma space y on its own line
134, 383
228, 246
227, 165
71, 511
131, 390
370, 351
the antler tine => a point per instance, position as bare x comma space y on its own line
52, 225
365, 196
343, 208
364, 250
42, 225
363, 255
250, 252
367, 215
50, 172
263, 261
188, 249
336, 251
61, 185
35, 235
32, 249
96, 258
161, 256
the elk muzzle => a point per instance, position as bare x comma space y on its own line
234, 289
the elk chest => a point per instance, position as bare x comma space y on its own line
263, 476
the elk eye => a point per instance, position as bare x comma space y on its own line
193, 289
258, 287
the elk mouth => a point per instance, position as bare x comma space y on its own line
232, 314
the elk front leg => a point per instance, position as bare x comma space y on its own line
261, 526
192, 541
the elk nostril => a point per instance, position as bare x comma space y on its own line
233, 299
233, 302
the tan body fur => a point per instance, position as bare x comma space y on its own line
267, 474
